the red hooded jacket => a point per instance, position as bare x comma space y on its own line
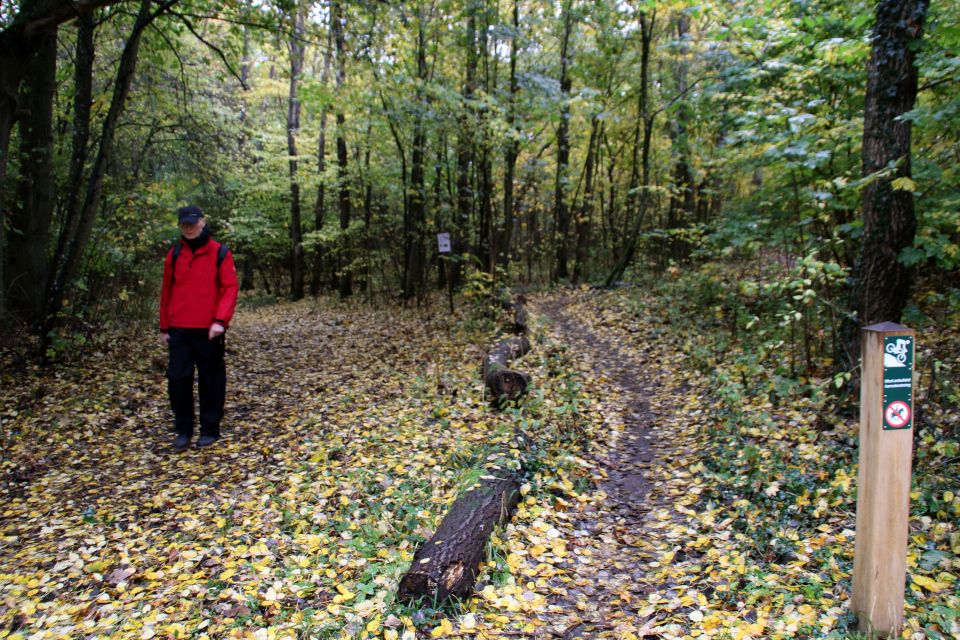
198, 296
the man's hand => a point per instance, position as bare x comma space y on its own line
165, 339
216, 330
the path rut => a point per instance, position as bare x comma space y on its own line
601, 594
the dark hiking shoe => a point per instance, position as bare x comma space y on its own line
206, 441
180, 444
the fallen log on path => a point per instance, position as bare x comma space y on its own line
519, 319
448, 564
506, 385
519, 313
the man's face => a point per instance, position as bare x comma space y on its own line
192, 230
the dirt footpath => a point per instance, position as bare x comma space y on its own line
603, 590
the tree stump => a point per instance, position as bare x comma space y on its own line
448, 564
504, 384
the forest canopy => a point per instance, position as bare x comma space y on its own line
329, 142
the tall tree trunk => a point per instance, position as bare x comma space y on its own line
91, 203
14, 60
401, 152
346, 276
319, 207
415, 221
82, 102
244, 74
640, 165
32, 209
513, 143
612, 218
413, 227
485, 222
366, 242
465, 146
296, 48
561, 212
881, 284
441, 202
586, 210
683, 198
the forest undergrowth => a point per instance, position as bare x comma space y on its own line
351, 429
770, 531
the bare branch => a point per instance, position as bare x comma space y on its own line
212, 46
937, 83
63, 13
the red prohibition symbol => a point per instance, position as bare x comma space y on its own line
897, 413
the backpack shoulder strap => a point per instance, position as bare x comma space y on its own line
221, 256
173, 262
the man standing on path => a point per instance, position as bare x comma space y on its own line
197, 301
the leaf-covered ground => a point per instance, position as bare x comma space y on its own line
351, 429
762, 465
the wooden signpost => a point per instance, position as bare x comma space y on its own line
883, 483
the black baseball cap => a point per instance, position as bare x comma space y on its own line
190, 214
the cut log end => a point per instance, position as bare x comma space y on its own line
503, 383
507, 385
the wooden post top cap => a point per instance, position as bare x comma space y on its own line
886, 327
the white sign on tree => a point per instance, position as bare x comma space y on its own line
443, 240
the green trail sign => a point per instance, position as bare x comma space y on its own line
897, 382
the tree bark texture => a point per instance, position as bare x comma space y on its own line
82, 103
513, 144
415, 220
319, 207
506, 385
465, 149
346, 276
561, 211
367, 245
25, 37
486, 228
881, 284
293, 125
519, 318
641, 165
448, 564
585, 215
683, 198
32, 209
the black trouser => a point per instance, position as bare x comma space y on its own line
189, 347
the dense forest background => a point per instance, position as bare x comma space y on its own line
328, 142
767, 176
